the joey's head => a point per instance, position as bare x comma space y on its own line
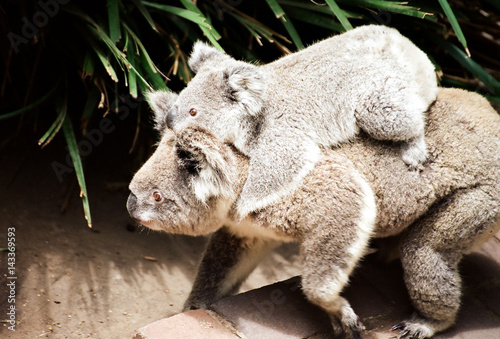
225, 97
188, 184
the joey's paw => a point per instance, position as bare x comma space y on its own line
414, 153
414, 157
412, 330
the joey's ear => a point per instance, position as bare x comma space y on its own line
203, 52
161, 102
211, 163
246, 86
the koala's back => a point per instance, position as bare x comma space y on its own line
329, 82
463, 135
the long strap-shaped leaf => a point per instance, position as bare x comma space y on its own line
211, 33
30, 106
114, 20
281, 15
479, 72
190, 15
69, 134
454, 24
54, 128
339, 14
399, 7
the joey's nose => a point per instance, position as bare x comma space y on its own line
131, 204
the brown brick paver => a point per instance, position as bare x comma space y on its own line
197, 324
376, 292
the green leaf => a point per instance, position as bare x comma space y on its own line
144, 11
193, 16
107, 65
315, 19
281, 15
152, 72
390, 6
88, 65
314, 7
31, 106
208, 31
454, 24
132, 80
489, 81
338, 13
114, 20
53, 129
69, 134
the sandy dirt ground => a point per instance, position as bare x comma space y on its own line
73, 282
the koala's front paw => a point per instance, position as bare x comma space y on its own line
347, 323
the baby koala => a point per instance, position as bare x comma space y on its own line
370, 78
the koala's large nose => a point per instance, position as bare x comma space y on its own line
131, 204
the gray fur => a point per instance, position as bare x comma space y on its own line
357, 191
371, 78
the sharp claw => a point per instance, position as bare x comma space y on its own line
404, 333
397, 327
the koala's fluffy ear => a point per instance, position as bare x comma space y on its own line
161, 102
210, 162
203, 52
246, 86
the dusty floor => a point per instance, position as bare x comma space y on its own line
73, 282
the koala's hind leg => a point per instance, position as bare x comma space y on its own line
226, 263
430, 254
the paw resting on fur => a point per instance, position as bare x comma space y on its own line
414, 152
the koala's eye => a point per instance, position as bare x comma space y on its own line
193, 112
157, 196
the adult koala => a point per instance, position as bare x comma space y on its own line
356, 192
370, 78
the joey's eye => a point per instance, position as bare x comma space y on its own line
193, 112
157, 196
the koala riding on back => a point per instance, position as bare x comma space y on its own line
371, 79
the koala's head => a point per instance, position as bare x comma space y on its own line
188, 184
225, 97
